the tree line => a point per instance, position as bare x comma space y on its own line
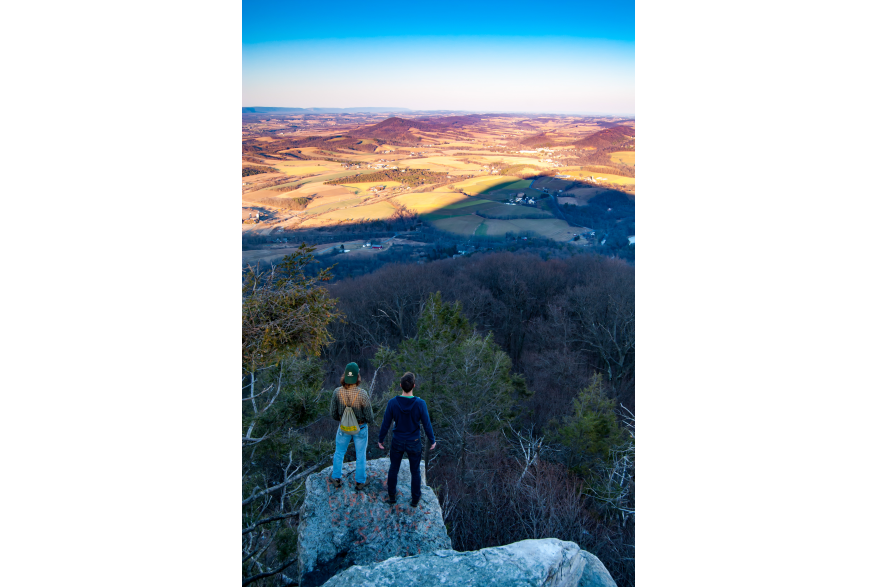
248, 171
411, 177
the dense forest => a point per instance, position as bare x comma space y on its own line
526, 363
287, 203
611, 213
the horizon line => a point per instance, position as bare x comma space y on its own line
400, 108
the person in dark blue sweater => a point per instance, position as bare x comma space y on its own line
408, 412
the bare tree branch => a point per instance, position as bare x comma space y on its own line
269, 520
249, 580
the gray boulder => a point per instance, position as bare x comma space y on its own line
529, 563
339, 528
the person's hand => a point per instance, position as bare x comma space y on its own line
381, 446
432, 447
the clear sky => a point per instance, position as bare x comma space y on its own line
551, 56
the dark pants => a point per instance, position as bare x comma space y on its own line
413, 449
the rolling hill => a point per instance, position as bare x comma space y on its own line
607, 137
394, 129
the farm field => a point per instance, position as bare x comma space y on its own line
326, 207
455, 146
610, 178
336, 195
440, 164
472, 225
626, 157
429, 202
299, 170
461, 225
483, 184
252, 164
266, 255
377, 211
516, 211
508, 160
321, 178
365, 186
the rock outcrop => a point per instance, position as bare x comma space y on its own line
339, 528
529, 563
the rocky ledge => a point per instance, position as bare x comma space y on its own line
339, 528
529, 563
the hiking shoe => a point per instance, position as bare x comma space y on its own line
391, 500
335, 482
415, 501
360, 486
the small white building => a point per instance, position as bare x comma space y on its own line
630, 239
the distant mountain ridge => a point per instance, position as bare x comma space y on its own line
279, 110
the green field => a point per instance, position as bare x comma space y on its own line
497, 209
471, 225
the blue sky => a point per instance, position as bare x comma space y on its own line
514, 56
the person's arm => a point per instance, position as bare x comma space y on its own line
385, 425
427, 425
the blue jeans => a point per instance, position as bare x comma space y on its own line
413, 449
342, 441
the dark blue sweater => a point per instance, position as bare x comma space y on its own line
409, 414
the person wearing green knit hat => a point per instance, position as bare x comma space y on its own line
353, 424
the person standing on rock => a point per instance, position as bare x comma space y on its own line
350, 395
409, 413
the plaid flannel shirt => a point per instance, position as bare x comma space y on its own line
357, 399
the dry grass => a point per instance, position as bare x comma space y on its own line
430, 202
377, 211
626, 157
608, 177
364, 187
439, 163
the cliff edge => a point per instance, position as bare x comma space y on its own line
350, 538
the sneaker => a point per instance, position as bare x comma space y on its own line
415, 501
360, 486
335, 482
391, 500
